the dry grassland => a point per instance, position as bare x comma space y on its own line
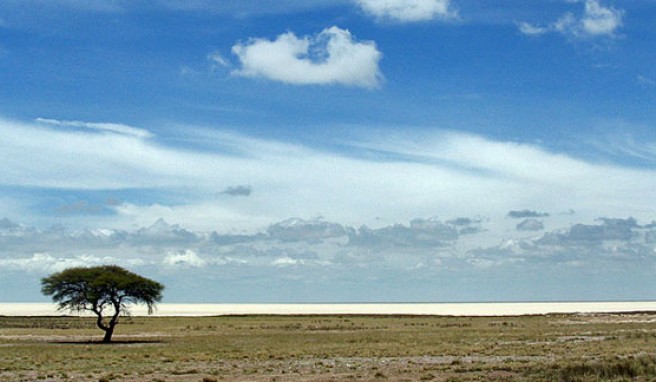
606, 347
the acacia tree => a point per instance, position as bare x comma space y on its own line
104, 290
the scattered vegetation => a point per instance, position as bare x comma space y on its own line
332, 348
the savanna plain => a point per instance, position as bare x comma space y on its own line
557, 347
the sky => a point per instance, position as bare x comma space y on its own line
332, 150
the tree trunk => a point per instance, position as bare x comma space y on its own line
109, 328
108, 334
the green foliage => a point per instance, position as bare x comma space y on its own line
95, 287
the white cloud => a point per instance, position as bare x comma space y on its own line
331, 57
595, 21
532, 30
46, 263
441, 173
115, 128
407, 10
185, 258
599, 20
286, 261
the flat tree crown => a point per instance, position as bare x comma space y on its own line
92, 288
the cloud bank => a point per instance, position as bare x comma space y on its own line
209, 265
317, 242
333, 57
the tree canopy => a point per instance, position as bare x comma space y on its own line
104, 290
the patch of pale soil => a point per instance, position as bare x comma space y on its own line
59, 338
578, 339
48, 338
587, 319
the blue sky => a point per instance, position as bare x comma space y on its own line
333, 150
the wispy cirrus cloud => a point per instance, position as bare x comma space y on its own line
217, 60
444, 173
408, 10
331, 57
596, 20
116, 128
621, 145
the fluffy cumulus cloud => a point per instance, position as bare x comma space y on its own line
407, 10
599, 20
596, 20
185, 258
331, 57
